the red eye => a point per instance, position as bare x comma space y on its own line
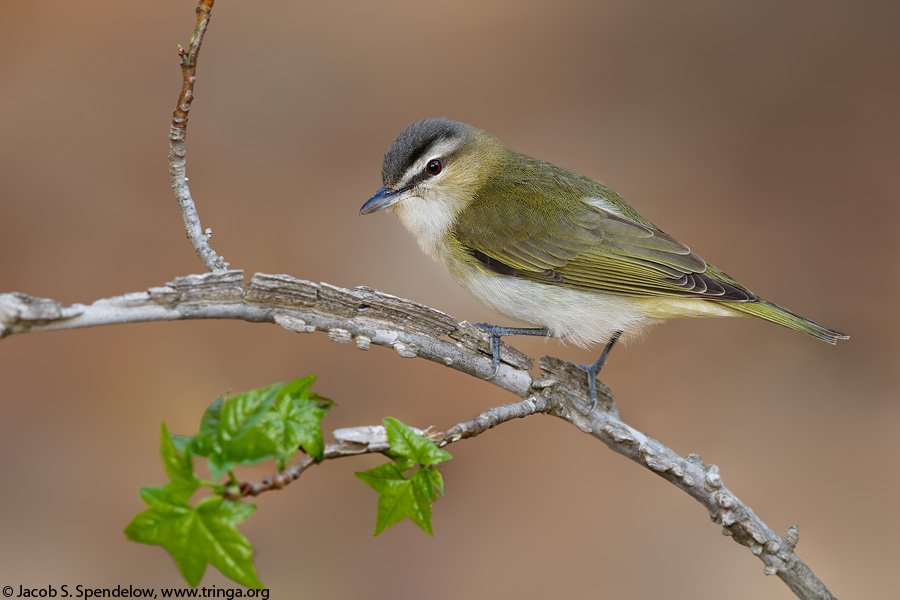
433, 167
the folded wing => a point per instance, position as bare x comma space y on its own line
589, 248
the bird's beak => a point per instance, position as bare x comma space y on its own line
384, 198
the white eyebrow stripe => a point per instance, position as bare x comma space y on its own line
439, 148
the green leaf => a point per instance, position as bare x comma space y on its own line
181, 442
297, 388
395, 494
249, 447
435, 479
164, 500
167, 523
296, 421
403, 463
197, 536
399, 496
424, 494
178, 465
225, 547
230, 431
270, 422
406, 442
206, 442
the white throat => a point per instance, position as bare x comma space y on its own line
428, 220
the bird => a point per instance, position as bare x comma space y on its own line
550, 247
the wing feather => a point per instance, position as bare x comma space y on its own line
591, 248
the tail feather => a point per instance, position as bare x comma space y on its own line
782, 316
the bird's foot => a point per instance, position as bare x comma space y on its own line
594, 369
496, 332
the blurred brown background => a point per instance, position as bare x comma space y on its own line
763, 134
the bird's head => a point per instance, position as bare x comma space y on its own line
432, 172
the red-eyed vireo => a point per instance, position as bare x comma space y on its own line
550, 247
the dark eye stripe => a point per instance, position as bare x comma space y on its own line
414, 142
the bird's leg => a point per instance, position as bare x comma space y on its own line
594, 369
496, 331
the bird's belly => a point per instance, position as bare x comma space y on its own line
584, 317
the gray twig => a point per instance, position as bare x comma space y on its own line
177, 151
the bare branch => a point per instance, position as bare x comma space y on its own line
363, 316
366, 316
703, 483
177, 151
353, 441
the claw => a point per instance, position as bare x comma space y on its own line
594, 369
495, 354
592, 384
